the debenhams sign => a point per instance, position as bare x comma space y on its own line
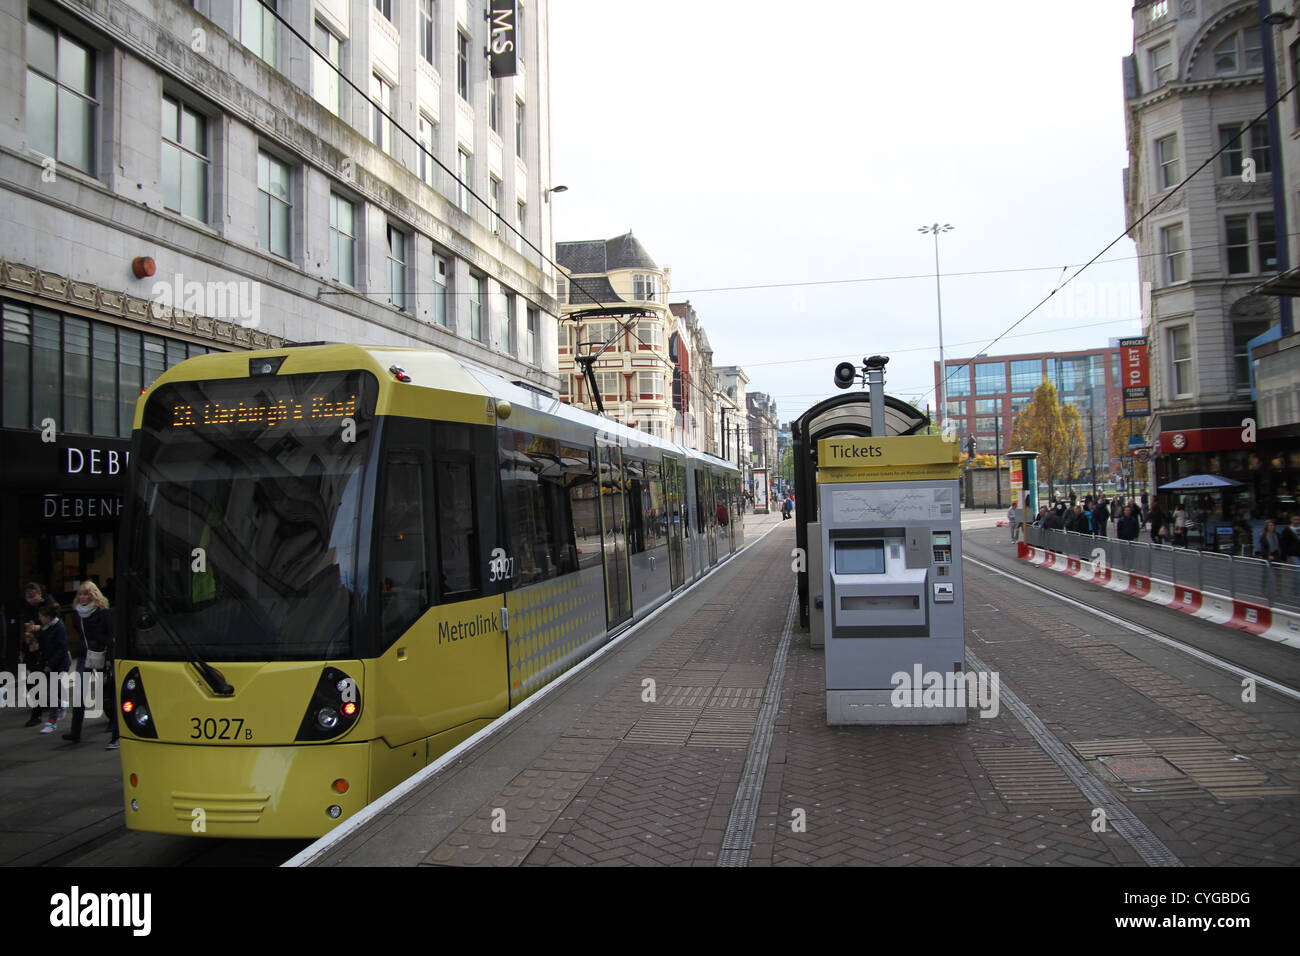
503, 18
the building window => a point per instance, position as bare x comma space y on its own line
381, 95
428, 136
327, 64
1242, 333
958, 381
650, 385
1026, 375
464, 170
506, 316
386, 8
645, 287
521, 210
988, 425
990, 378
273, 205
257, 28
530, 336
477, 330
87, 375
566, 388
1180, 358
1174, 248
396, 267
562, 289
462, 65
519, 129
562, 336
61, 104
442, 311
610, 385
342, 240
494, 197
1225, 56
1162, 65
1167, 158
494, 105
1267, 242
650, 333
184, 160
1236, 141
1237, 244
1252, 41
427, 44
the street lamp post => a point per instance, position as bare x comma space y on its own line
938, 299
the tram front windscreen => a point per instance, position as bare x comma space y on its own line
246, 507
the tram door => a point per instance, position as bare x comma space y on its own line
708, 512
618, 589
675, 486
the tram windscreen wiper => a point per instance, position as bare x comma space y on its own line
216, 680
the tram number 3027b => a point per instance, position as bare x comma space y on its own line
223, 728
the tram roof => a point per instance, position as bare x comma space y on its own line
442, 386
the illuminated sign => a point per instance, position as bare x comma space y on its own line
270, 414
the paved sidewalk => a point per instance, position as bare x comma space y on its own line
600, 774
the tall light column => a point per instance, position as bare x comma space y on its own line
943, 371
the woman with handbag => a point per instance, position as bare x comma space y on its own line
95, 622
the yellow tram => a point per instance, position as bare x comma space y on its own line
343, 561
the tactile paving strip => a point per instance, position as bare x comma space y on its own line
1209, 764
1028, 775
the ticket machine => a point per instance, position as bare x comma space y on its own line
892, 589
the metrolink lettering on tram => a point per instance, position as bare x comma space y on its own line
463, 630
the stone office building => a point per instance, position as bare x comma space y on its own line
177, 178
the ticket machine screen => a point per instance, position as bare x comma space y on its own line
860, 557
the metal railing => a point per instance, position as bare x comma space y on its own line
1250, 579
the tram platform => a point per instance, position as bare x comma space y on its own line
701, 740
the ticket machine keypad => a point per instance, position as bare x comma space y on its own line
942, 548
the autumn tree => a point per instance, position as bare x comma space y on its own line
1043, 426
1121, 431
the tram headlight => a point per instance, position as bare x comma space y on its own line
135, 706
334, 707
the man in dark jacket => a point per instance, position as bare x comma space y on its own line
1100, 515
1079, 522
1127, 527
1052, 522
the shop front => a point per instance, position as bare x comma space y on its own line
63, 501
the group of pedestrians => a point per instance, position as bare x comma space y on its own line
1094, 517
47, 653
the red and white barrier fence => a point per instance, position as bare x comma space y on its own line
1271, 623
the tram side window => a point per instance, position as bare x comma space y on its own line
648, 518
584, 502
457, 541
403, 548
536, 507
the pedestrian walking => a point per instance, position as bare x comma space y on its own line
1013, 520
1128, 526
52, 643
787, 506
1270, 542
1180, 526
1100, 516
95, 622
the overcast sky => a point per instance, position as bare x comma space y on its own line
748, 145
